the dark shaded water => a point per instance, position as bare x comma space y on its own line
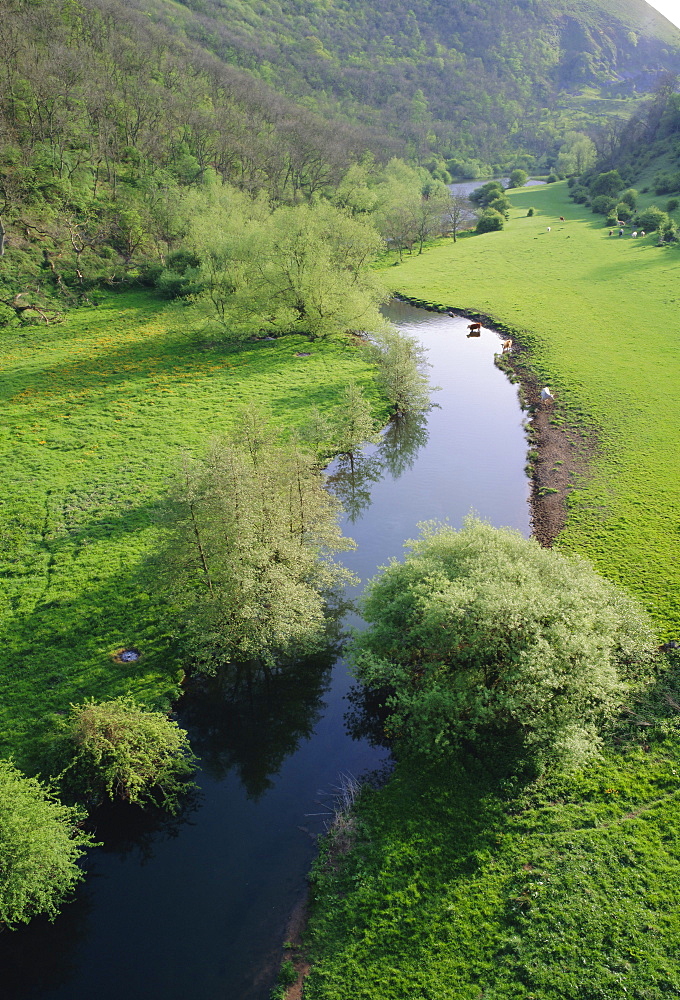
197, 908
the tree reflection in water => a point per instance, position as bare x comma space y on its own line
351, 477
253, 720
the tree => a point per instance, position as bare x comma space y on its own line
402, 375
487, 193
651, 218
354, 423
608, 183
120, 750
577, 154
482, 628
40, 846
458, 214
489, 221
305, 269
518, 178
248, 564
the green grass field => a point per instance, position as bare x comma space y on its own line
96, 413
463, 884
601, 316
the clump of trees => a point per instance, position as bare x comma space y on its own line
301, 269
481, 629
248, 566
121, 750
402, 376
41, 843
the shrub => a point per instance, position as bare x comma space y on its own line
608, 183
120, 750
489, 221
531, 211
482, 628
40, 844
623, 211
602, 204
672, 204
518, 178
630, 196
551, 179
652, 218
664, 182
580, 195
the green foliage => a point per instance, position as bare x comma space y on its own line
103, 404
40, 845
608, 183
120, 750
247, 565
651, 218
666, 182
630, 196
487, 193
474, 876
530, 212
485, 628
621, 516
672, 204
622, 211
287, 973
602, 204
402, 372
518, 178
354, 425
304, 269
489, 221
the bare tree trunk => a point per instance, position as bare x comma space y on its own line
2, 238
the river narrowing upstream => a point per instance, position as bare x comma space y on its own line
197, 908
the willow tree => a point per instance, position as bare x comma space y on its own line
249, 562
483, 628
41, 844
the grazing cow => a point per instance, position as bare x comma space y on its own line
506, 346
611, 232
561, 218
547, 396
634, 235
475, 329
643, 233
548, 228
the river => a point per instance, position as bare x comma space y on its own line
197, 908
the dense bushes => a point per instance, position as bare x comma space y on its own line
120, 750
489, 221
40, 844
482, 628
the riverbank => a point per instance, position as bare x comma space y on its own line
599, 325
98, 410
562, 886
559, 451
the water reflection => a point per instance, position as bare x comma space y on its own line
254, 726
351, 477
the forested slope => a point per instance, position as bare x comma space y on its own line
460, 77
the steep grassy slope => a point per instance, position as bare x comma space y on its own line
96, 414
600, 315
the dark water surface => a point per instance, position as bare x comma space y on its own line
197, 908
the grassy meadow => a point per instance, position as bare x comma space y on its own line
600, 315
97, 411
465, 882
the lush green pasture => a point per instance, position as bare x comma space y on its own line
601, 315
463, 884
95, 414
